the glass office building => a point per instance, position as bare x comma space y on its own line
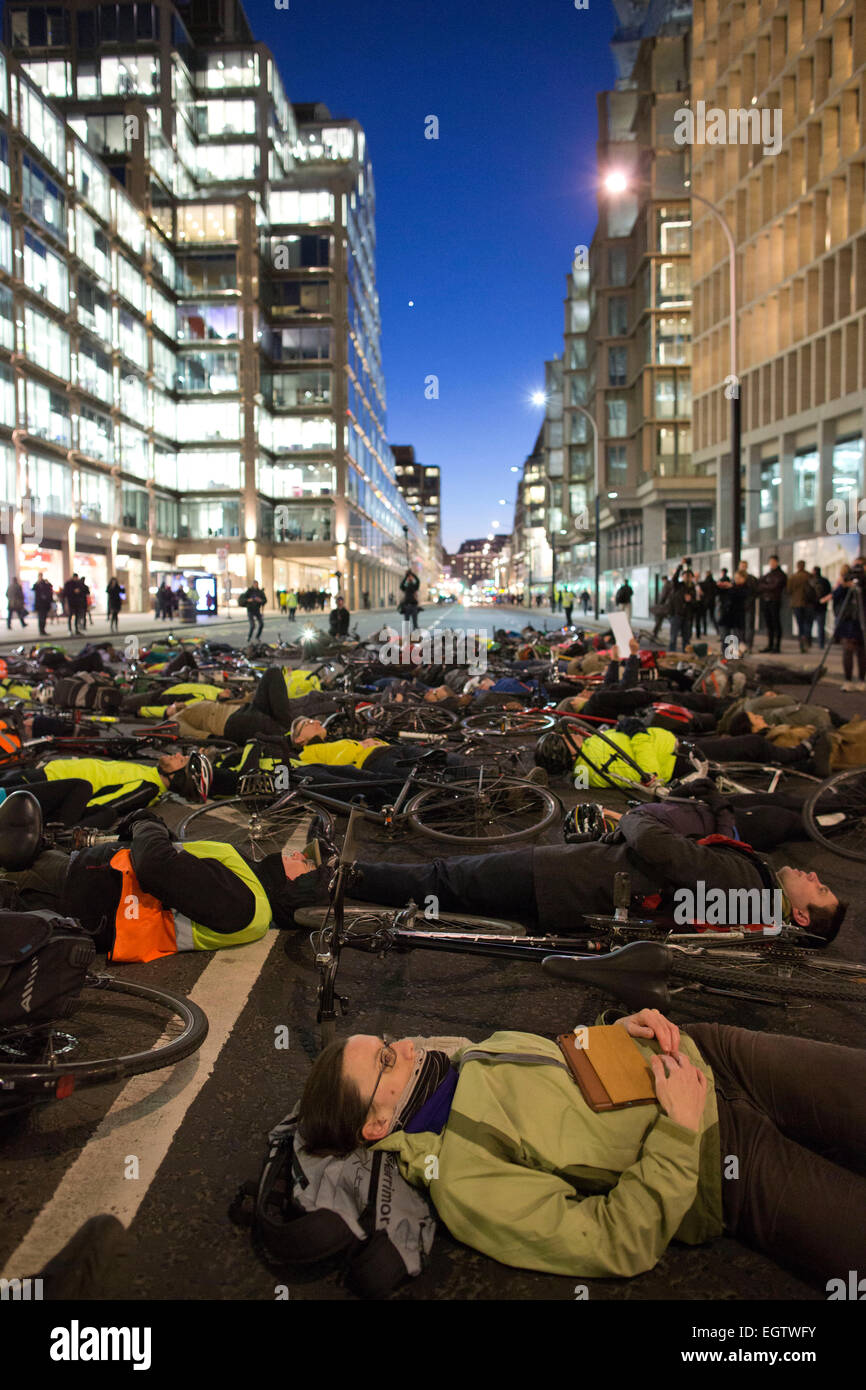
189, 325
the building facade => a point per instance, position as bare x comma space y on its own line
192, 374
798, 216
647, 311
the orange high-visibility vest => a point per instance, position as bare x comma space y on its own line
9, 740
144, 929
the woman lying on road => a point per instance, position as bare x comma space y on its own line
520, 1167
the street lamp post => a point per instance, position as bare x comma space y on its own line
597, 473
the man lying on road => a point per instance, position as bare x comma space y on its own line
553, 886
520, 1167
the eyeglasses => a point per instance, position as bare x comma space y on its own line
389, 1060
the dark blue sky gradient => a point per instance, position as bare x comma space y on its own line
478, 228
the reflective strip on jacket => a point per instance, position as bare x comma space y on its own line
145, 929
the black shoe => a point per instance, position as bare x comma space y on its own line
822, 752
764, 650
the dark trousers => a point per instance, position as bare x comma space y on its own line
748, 748
820, 616
791, 1113
803, 619
497, 885
63, 800
41, 618
852, 647
681, 626
255, 618
773, 620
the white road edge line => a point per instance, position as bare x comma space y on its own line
146, 1115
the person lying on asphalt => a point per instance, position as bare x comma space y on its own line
552, 887
93, 791
148, 896
658, 753
519, 1167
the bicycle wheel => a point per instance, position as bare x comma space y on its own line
504, 811
775, 977
508, 724
257, 831
764, 779
50, 1062
835, 814
426, 719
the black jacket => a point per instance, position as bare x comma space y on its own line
651, 847
338, 622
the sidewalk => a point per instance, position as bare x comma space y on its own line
232, 626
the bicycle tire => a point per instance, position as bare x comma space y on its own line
762, 977
460, 799
497, 724
410, 718
757, 778
39, 1078
846, 791
231, 822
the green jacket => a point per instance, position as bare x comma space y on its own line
654, 751
526, 1173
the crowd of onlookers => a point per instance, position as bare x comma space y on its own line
73, 601
740, 605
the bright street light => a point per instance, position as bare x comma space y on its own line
616, 181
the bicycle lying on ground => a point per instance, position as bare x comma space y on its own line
640, 963
454, 806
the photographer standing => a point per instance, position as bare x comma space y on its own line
848, 594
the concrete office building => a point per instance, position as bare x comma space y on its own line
192, 361
799, 222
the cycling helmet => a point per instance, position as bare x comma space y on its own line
586, 820
194, 781
552, 752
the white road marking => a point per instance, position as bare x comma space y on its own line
146, 1115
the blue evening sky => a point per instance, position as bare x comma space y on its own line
477, 227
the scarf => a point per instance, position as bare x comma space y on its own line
430, 1070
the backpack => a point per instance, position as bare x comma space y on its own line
88, 690
623, 594
44, 960
720, 678
311, 1214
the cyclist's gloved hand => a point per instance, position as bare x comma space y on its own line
630, 725
703, 789
127, 826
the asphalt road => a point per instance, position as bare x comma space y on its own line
197, 1131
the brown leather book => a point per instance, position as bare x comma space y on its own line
610, 1069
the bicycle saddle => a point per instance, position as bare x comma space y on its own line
20, 831
636, 974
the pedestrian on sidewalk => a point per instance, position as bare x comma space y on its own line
624, 596
292, 604
771, 589
15, 602
43, 595
801, 591
823, 596
114, 599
